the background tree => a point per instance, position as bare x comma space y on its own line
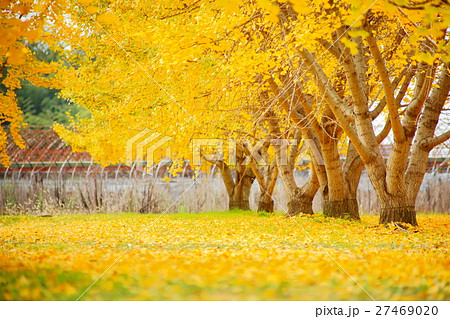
199, 70
408, 63
22, 23
42, 106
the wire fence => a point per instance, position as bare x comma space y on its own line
48, 178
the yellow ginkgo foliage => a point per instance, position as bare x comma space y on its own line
23, 23
221, 256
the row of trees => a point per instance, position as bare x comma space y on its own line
325, 72
42, 106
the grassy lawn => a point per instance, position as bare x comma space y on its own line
222, 256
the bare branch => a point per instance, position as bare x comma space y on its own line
430, 143
384, 132
397, 128
226, 173
423, 87
335, 103
408, 73
333, 48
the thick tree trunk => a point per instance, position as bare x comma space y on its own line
265, 203
345, 209
406, 214
266, 180
397, 210
340, 198
238, 188
393, 207
237, 202
300, 199
299, 204
239, 198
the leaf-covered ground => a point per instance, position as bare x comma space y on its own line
222, 256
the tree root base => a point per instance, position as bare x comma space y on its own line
405, 214
345, 209
265, 206
239, 204
296, 207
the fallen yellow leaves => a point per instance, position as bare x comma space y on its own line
230, 256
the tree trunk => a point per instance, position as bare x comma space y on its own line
238, 189
239, 198
300, 199
340, 196
238, 202
345, 209
266, 180
425, 140
395, 191
397, 210
265, 203
299, 203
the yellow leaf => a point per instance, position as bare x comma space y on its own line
355, 33
91, 9
15, 57
425, 57
301, 7
107, 18
351, 45
39, 7
85, 2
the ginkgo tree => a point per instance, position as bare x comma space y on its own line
408, 79
23, 23
219, 69
406, 50
186, 79
266, 49
398, 79
131, 80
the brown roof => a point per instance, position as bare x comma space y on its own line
43, 145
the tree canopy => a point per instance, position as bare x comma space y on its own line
248, 70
